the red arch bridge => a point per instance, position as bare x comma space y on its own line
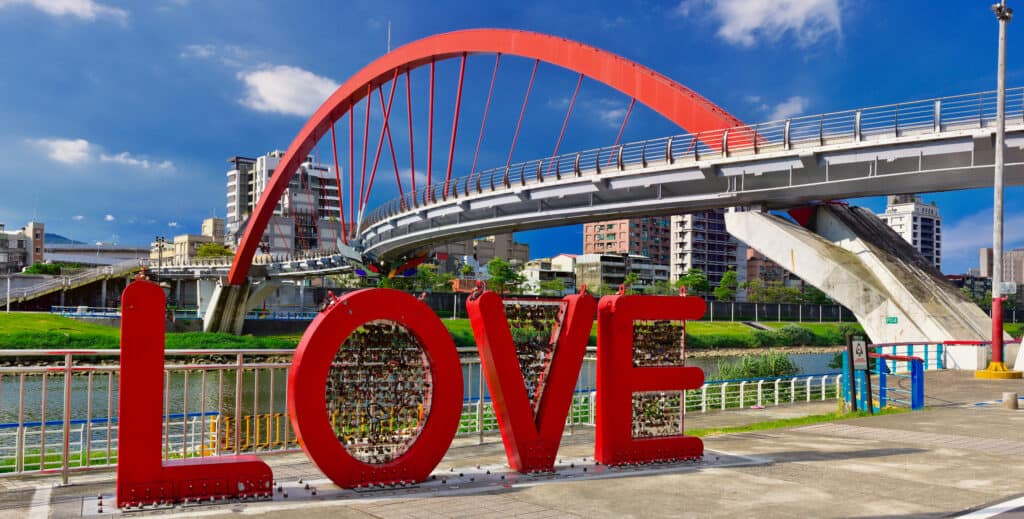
404, 192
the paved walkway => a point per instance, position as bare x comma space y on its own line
952, 458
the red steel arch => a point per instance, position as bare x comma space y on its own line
677, 103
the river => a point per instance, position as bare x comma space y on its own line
265, 391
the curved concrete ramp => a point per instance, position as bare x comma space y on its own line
848, 253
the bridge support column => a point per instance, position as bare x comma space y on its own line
103, 293
228, 304
848, 253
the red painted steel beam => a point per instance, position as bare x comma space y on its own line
565, 122
412, 151
522, 113
351, 166
455, 127
337, 178
483, 122
669, 98
430, 137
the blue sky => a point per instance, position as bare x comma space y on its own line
116, 117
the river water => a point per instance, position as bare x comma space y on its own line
263, 392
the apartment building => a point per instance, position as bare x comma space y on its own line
21, 248
918, 223
305, 218
700, 241
646, 236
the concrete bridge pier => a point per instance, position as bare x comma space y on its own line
228, 304
848, 253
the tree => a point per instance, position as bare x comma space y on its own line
503, 276
815, 297
726, 289
631, 279
695, 281
662, 288
213, 250
466, 270
428, 279
755, 291
552, 287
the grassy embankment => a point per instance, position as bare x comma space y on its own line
45, 331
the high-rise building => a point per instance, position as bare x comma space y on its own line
305, 218
1013, 265
918, 223
985, 262
700, 241
646, 236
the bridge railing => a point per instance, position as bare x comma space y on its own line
59, 413
976, 110
72, 281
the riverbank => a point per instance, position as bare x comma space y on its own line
704, 339
737, 352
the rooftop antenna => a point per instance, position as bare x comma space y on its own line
389, 36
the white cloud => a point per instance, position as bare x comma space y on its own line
109, 218
126, 159
85, 9
612, 116
67, 151
199, 51
227, 55
172, 224
793, 106
744, 22
970, 233
286, 90
80, 151
78, 218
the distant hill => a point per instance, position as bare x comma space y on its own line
56, 239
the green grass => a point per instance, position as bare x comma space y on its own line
47, 331
791, 422
1014, 329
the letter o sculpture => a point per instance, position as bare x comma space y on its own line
307, 382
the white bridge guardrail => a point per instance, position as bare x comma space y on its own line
976, 110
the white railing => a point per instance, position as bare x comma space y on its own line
938, 115
62, 417
67, 282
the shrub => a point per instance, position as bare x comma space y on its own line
795, 335
769, 364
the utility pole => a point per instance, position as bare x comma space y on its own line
997, 368
8, 293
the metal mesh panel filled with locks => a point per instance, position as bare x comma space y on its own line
658, 343
534, 326
378, 391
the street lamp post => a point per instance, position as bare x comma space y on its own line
997, 368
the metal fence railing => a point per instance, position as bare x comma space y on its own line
976, 110
58, 414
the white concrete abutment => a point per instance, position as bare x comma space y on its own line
851, 255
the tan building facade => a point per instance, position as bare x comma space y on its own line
482, 250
